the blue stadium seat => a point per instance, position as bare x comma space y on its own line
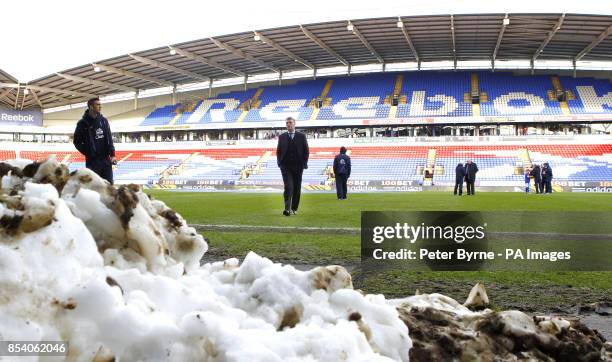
429, 94
435, 94
516, 95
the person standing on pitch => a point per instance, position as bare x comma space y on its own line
292, 158
527, 180
470, 176
547, 176
459, 177
93, 138
537, 178
342, 170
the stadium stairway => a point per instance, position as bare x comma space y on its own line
254, 103
186, 112
322, 96
475, 92
474, 83
197, 115
176, 117
392, 112
174, 170
124, 158
558, 87
476, 109
66, 159
524, 158
430, 166
119, 162
397, 89
399, 83
257, 167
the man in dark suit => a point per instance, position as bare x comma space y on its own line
292, 158
342, 170
537, 178
459, 178
547, 176
470, 176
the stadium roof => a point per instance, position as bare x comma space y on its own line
492, 37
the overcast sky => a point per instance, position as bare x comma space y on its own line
42, 36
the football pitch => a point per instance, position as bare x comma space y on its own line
325, 231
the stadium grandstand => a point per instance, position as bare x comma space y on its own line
409, 96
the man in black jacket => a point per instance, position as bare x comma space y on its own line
93, 138
547, 176
537, 178
292, 158
342, 170
470, 176
459, 178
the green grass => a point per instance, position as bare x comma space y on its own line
513, 289
537, 292
325, 211
560, 278
286, 247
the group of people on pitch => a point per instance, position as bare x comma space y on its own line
542, 178
465, 173
93, 138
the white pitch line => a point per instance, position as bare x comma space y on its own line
357, 231
282, 229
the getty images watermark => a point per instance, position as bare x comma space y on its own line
486, 240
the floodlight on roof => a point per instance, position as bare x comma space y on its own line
400, 24
26, 91
256, 37
349, 27
506, 21
172, 51
96, 69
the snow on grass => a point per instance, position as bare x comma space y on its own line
115, 273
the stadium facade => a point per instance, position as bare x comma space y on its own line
405, 124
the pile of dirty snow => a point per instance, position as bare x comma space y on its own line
118, 276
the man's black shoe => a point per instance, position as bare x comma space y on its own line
286, 213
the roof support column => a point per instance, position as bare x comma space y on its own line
246, 78
25, 94
17, 96
174, 94
136, 94
210, 88
505, 23
594, 43
574, 68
